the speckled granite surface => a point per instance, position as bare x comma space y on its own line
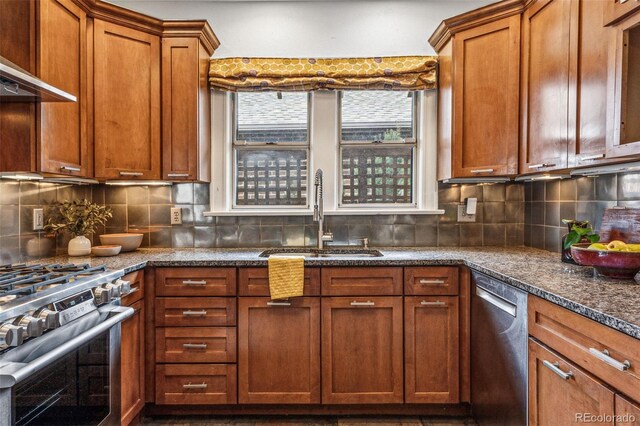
611, 302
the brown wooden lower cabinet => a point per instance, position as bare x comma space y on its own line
132, 365
431, 357
195, 384
362, 350
627, 412
560, 393
195, 344
279, 350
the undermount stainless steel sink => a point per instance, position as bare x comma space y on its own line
326, 252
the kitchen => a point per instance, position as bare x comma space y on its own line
397, 212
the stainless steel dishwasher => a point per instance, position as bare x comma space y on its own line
498, 352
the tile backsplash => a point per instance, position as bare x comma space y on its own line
500, 219
584, 198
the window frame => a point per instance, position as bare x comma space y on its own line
412, 142
257, 146
323, 153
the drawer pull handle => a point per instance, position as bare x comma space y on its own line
70, 169
556, 369
194, 345
130, 173
541, 165
194, 282
278, 303
592, 157
482, 171
176, 175
367, 303
133, 290
194, 313
436, 303
194, 386
436, 282
605, 357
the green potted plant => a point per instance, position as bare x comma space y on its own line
579, 231
80, 218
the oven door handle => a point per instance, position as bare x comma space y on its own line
14, 373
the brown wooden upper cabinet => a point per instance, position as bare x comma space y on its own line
548, 63
624, 90
63, 141
186, 104
478, 98
615, 10
127, 102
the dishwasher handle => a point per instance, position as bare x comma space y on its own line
497, 301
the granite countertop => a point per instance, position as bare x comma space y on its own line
611, 302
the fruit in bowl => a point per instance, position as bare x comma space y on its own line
615, 259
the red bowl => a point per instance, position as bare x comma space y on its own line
614, 264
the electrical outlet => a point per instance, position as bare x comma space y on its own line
38, 219
176, 216
463, 216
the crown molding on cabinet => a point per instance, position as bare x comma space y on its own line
193, 28
474, 18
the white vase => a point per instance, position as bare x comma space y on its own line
79, 246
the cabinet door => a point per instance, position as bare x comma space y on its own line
560, 392
62, 62
431, 358
486, 96
593, 52
547, 67
185, 110
624, 91
132, 365
278, 351
627, 412
362, 350
127, 103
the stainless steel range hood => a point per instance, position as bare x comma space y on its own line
17, 85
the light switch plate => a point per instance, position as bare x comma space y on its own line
463, 216
38, 219
176, 216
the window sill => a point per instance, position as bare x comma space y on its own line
345, 212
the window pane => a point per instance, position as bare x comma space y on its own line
271, 177
262, 117
377, 175
377, 115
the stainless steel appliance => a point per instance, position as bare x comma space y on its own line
498, 352
60, 344
18, 85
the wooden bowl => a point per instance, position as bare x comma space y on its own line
129, 242
103, 251
614, 264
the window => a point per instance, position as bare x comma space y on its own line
271, 149
377, 151
377, 147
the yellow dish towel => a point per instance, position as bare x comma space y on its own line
286, 276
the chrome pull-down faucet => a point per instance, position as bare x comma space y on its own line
318, 212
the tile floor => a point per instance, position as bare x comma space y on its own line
307, 421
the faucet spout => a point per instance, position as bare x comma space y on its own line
318, 211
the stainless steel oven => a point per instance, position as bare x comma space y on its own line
71, 376
60, 345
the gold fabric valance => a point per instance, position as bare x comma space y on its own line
306, 74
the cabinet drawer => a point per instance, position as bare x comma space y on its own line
583, 341
361, 281
433, 280
195, 281
255, 282
195, 384
195, 311
137, 288
195, 344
